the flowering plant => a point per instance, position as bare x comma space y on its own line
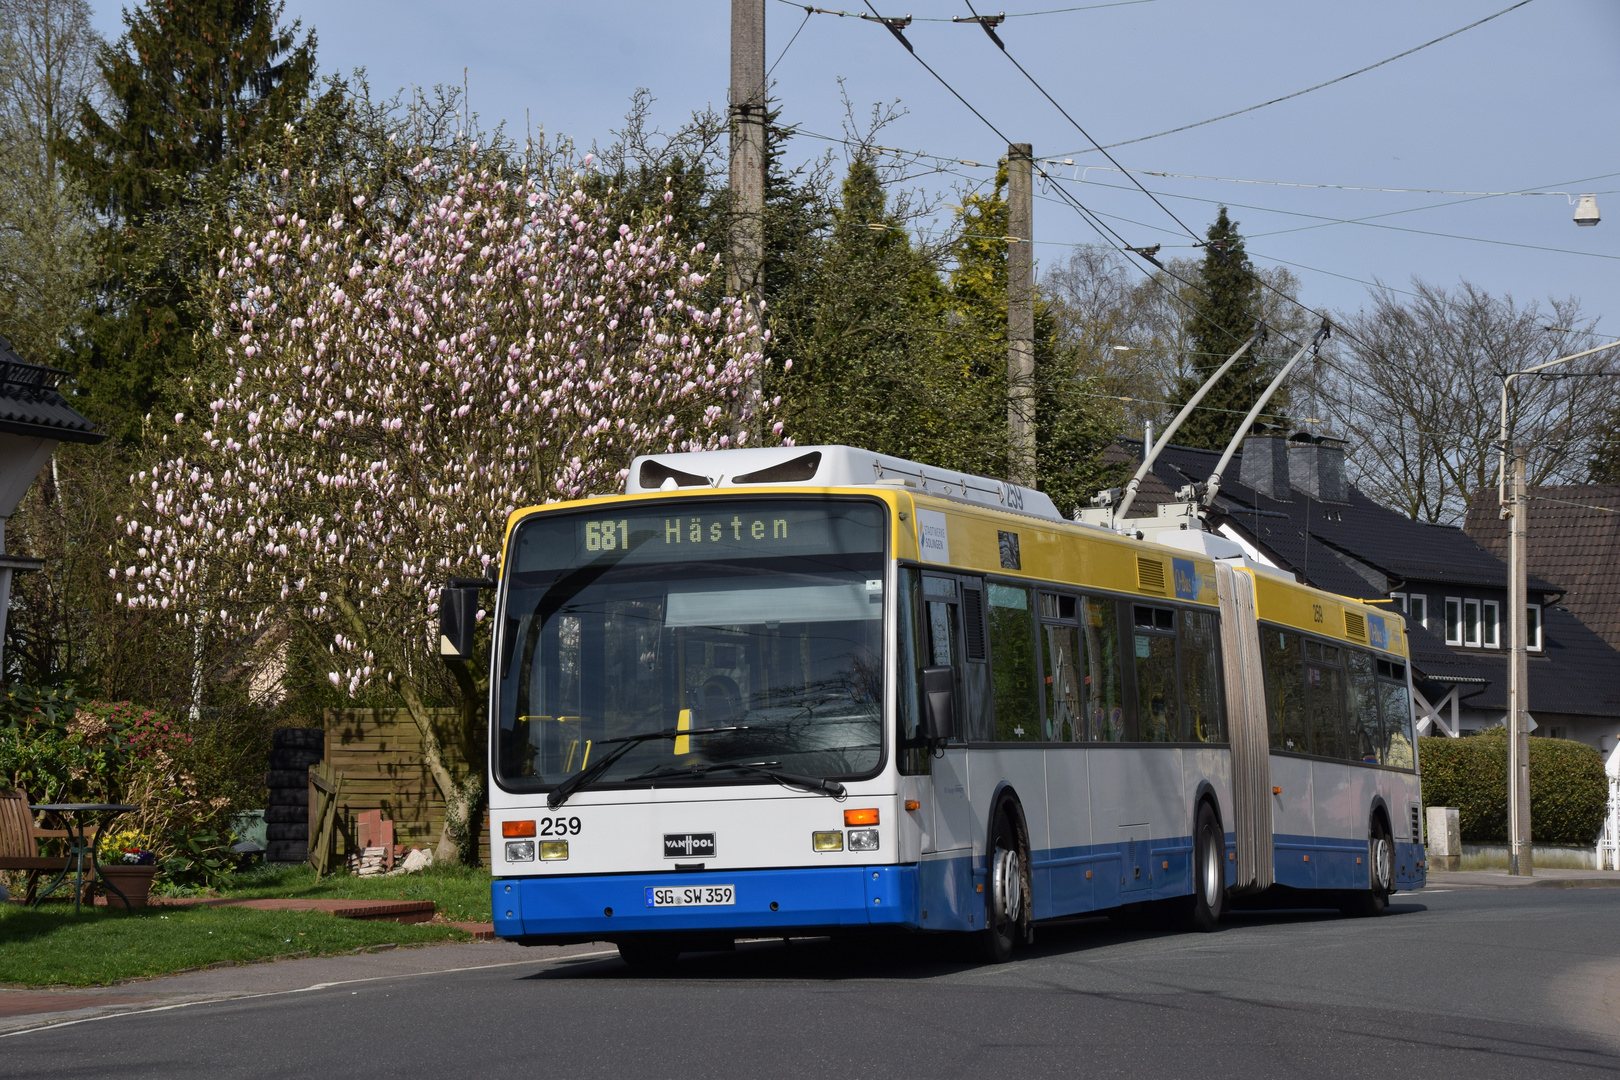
399, 376
126, 847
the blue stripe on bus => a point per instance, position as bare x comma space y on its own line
942, 892
769, 900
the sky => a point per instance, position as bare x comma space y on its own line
1524, 102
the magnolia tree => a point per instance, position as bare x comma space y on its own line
395, 386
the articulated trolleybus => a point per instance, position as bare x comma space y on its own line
816, 690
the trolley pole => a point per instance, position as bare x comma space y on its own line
1517, 510
1021, 315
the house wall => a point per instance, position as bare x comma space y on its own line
1600, 732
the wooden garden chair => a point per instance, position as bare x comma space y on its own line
20, 837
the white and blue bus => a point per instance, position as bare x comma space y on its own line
816, 690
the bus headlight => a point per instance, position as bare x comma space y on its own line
863, 839
553, 849
520, 851
827, 841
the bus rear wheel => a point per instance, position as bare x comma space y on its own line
1380, 874
1006, 890
1209, 871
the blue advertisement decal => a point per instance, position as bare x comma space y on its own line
1185, 571
1378, 631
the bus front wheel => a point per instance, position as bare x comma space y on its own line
1006, 889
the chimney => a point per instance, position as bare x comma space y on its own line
1263, 466
1316, 466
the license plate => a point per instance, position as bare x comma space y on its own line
692, 896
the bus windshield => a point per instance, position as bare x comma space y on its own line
761, 615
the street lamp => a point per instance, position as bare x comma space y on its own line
1511, 496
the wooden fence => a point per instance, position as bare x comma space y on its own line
378, 752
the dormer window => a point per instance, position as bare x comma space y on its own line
1454, 620
1490, 632
1471, 621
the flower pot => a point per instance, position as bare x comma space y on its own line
135, 882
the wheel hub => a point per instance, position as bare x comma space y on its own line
1007, 886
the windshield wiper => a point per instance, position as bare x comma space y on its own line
764, 768
562, 791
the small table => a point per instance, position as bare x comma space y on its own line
75, 818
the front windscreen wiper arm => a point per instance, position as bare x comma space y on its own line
562, 791
811, 783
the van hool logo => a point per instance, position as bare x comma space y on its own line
688, 845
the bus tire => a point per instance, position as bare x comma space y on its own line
1007, 888
1380, 873
1209, 871
649, 954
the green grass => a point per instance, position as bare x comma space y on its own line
460, 894
53, 946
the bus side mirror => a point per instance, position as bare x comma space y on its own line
939, 703
458, 616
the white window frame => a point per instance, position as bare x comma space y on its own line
1490, 619
1453, 603
1532, 627
1470, 626
1414, 601
1400, 601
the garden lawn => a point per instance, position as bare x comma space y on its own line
53, 946
459, 893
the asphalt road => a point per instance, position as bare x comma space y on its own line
1475, 984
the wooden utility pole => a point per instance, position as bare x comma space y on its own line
1020, 315
747, 115
1517, 511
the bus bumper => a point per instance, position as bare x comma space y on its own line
598, 908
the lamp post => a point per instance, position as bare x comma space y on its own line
1515, 509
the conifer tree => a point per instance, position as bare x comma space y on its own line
193, 87
1227, 309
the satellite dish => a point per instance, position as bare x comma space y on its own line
1586, 211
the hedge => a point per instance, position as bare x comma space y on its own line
1568, 789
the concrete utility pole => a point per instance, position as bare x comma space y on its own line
747, 114
1517, 509
1021, 314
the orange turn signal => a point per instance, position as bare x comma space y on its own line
861, 817
1276, 791
517, 828
913, 804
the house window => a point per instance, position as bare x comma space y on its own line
1453, 621
1417, 609
1532, 627
1400, 601
1490, 636
1471, 623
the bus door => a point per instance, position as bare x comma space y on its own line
945, 645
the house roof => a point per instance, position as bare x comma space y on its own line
30, 403
1574, 540
1357, 548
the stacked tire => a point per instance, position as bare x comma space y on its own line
292, 752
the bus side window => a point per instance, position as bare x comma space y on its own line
913, 759
1324, 700
1158, 704
1397, 710
1285, 688
942, 640
1104, 689
1367, 736
1201, 677
1012, 665
1060, 681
